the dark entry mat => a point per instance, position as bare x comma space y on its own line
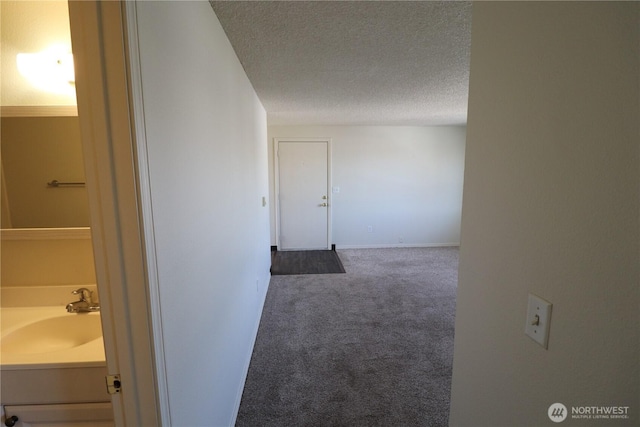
305, 262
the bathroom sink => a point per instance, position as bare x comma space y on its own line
53, 334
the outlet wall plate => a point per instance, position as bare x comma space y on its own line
538, 320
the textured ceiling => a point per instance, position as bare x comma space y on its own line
354, 62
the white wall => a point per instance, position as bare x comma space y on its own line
205, 132
550, 207
405, 182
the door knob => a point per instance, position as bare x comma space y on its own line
323, 205
324, 197
11, 421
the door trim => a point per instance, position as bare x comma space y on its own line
276, 162
99, 39
146, 211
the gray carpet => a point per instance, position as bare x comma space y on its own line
372, 347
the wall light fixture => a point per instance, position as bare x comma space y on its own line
50, 70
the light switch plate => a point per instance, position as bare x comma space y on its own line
538, 320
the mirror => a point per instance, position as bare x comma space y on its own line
37, 153
39, 126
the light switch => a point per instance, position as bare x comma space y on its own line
335, 190
538, 320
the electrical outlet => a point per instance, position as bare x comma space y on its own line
369, 228
400, 239
538, 320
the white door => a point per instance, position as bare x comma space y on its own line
303, 182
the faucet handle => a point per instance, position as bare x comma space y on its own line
85, 294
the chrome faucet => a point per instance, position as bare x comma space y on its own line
85, 304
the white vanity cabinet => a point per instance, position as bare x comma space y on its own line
56, 396
72, 415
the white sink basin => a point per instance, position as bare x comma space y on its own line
53, 334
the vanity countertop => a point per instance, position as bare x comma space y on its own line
89, 354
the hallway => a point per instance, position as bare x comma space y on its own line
373, 346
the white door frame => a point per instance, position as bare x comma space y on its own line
276, 142
124, 271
